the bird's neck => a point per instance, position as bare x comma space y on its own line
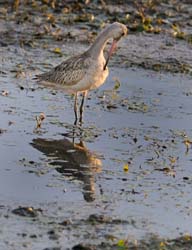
98, 46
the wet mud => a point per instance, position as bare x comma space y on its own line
123, 179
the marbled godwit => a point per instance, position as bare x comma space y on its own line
86, 71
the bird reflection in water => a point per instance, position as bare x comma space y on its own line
73, 160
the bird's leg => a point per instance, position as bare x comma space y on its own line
75, 109
82, 107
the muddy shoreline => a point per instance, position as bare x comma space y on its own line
159, 33
132, 156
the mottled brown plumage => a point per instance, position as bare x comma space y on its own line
69, 72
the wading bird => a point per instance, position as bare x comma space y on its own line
86, 71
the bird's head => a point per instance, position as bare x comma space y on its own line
116, 31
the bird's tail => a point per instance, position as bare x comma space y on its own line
41, 77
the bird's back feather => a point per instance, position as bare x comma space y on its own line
69, 72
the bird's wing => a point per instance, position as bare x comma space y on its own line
69, 72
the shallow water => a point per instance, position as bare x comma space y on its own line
143, 123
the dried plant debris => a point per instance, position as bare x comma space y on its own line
39, 120
152, 243
111, 100
149, 16
4, 92
26, 211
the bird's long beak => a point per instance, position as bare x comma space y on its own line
112, 49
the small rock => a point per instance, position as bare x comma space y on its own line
25, 211
94, 218
65, 222
83, 247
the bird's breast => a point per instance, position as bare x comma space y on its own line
94, 77
97, 75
